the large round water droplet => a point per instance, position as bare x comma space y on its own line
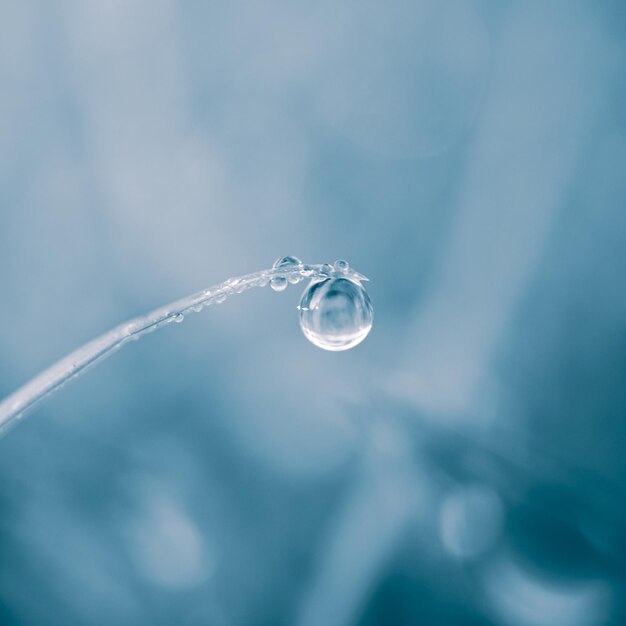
335, 313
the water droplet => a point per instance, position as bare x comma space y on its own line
294, 279
178, 318
335, 313
287, 261
220, 297
279, 283
341, 266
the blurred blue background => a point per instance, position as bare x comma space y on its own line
465, 464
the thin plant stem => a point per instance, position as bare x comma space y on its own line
16, 405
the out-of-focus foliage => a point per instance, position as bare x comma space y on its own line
465, 464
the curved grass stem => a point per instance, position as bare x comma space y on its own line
76, 363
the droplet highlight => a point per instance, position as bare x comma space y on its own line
335, 313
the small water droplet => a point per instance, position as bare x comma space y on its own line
294, 279
221, 297
197, 308
279, 283
335, 313
178, 318
341, 265
287, 261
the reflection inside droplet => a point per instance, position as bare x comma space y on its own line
335, 313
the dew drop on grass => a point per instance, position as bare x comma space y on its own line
279, 283
287, 263
341, 266
335, 313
